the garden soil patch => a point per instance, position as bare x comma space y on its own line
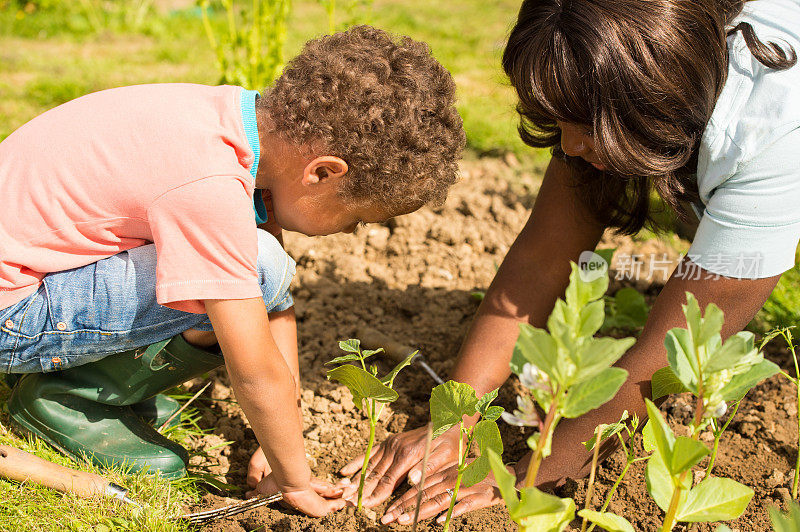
414, 278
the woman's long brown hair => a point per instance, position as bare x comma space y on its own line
642, 75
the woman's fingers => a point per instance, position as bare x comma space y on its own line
350, 485
409, 498
355, 464
470, 502
443, 455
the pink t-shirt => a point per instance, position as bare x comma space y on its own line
121, 168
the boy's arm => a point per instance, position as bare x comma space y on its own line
284, 330
265, 389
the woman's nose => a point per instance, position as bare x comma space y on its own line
574, 142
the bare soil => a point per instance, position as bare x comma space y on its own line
413, 279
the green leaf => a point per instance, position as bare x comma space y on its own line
731, 352
592, 393
606, 254
662, 437
788, 522
537, 347
449, 403
366, 353
659, 481
702, 328
607, 521
352, 345
505, 481
607, 431
344, 358
598, 354
493, 413
487, 436
388, 380
485, 400
579, 292
741, 384
534, 501
685, 454
591, 318
715, 499
664, 382
475, 471
681, 358
631, 306
362, 385
556, 521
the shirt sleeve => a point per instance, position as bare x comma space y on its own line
206, 244
751, 224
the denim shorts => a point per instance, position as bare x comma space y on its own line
81, 315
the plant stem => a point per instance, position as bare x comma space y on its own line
536, 459
372, 423
590, 490
461, 460
796, 382
672, 511
717, 436
611, 492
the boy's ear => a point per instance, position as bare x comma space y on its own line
324, 167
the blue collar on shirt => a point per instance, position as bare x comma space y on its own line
248, 101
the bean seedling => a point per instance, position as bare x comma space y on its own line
786, 333
715, 373
450, 403
370, 393
568, 372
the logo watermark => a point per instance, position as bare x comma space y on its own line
592, 266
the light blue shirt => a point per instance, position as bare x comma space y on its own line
749, 158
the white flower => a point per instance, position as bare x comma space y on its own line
533, 378
526, 416
720, 409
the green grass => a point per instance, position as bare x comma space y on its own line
49, 56
30, 507
782, 308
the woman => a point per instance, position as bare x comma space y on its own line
696, 100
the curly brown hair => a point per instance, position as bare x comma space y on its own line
386, 107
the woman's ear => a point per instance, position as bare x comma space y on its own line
324, 167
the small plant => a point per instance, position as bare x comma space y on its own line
785, 522
627, 309
450, 403
715, 373
602, 433
568, 372
786, 333
250, 54
370, 393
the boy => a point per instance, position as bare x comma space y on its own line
130, 248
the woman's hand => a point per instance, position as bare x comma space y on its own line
398, 457
436, 498
320, 499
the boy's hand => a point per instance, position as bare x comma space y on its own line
319, 500
258, 468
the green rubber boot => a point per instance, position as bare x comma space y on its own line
156, 410
86, 410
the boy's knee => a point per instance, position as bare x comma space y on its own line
275, 272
